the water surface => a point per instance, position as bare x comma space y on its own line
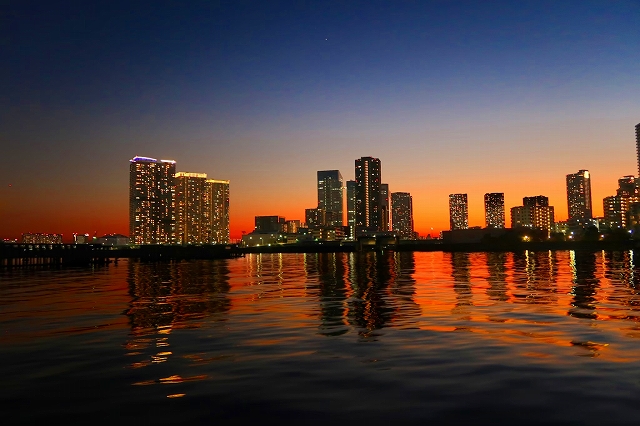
458, 338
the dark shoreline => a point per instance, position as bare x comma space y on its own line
16, 255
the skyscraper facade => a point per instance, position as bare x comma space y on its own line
494, 210
351, 206
534, 213
368, 179
402, 214
458, 211
330, 197
614, 212
535, 201
385, 203
152, 217
217, 211
269, 224
579, 195
638, 146
192, 217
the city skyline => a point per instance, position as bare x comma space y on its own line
453, 97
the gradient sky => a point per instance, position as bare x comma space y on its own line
451, 96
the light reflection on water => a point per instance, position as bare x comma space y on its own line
485, 337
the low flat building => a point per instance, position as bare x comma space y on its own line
258, 239
41, 238
112, 240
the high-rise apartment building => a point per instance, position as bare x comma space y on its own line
192, 217
402, 214
351, 206
579, 195
314, 218
616, 207
534, 213
385, 211
458, 211
217, 211
152, 218
269, 224
368, 179
614, 211
494, 210
330, 197
535, 201
638, 146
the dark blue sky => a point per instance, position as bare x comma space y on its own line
230, 88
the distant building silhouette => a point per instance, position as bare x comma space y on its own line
41, 238
152, 218
638, 146
191, 213
494, 210
292, 226
536, 201
385, 202
368, 179
330, 197
351, 207
535, 213
402, 214
614, 212
616, 207
269, 224
314, 218
458, 211
217, 208
579, 195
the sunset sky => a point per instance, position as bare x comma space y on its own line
451, 96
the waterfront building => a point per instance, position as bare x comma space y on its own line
330, 197
112, 240
292, 226
314, 218
192, 215
152, 218
216, 203
402, 214
535, 201
633, 219
579, 195
638, 145
41, 238
494, 210
614, 211
385, 207
257, 239
458, 211
81, 238
368, 179
533, 215
542, 217
351, 207
266, 224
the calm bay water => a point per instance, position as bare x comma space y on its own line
482, 338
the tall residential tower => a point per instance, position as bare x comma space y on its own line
402, 214
368, 175
494, 210
330, 197
217, 209
458, 211
152, 217
192, 217
579, 195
